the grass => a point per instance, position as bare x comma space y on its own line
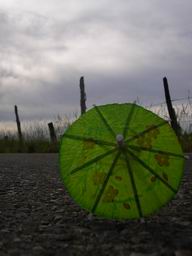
12, 145
36, 135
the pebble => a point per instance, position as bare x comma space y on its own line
58, 217
38, 248
17, 240
186, 223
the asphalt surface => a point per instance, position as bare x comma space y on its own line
37, 217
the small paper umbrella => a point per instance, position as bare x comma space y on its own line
121, 161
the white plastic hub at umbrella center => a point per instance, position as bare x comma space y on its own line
120, 139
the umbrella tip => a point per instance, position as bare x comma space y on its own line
120, 139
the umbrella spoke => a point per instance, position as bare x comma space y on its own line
129, 117
151, 171
84, 138
133, 186
92, 161
146, 131
105, 182
154, 150
105, 121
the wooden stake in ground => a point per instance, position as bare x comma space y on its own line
18, 125
52, 133
82, 96
176, 127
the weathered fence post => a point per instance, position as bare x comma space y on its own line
82, 95
18, 126
175, 125
6, 138
52, 133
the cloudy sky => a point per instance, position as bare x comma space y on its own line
122, 48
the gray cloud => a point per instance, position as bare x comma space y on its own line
122, 48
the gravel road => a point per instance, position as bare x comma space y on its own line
37, 217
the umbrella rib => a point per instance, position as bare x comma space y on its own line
92, 161
153, 150
105, 182
152, 171
146, 131
129, 117
133, 186
105, 121
83, 138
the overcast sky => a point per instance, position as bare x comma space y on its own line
122, 48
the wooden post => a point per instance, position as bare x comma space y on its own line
6, 138
52, 133
176, 127
82, 95
18, 126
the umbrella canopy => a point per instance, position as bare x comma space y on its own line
121, 161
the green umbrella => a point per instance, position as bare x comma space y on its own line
121, 161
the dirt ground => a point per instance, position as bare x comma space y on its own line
37, 217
